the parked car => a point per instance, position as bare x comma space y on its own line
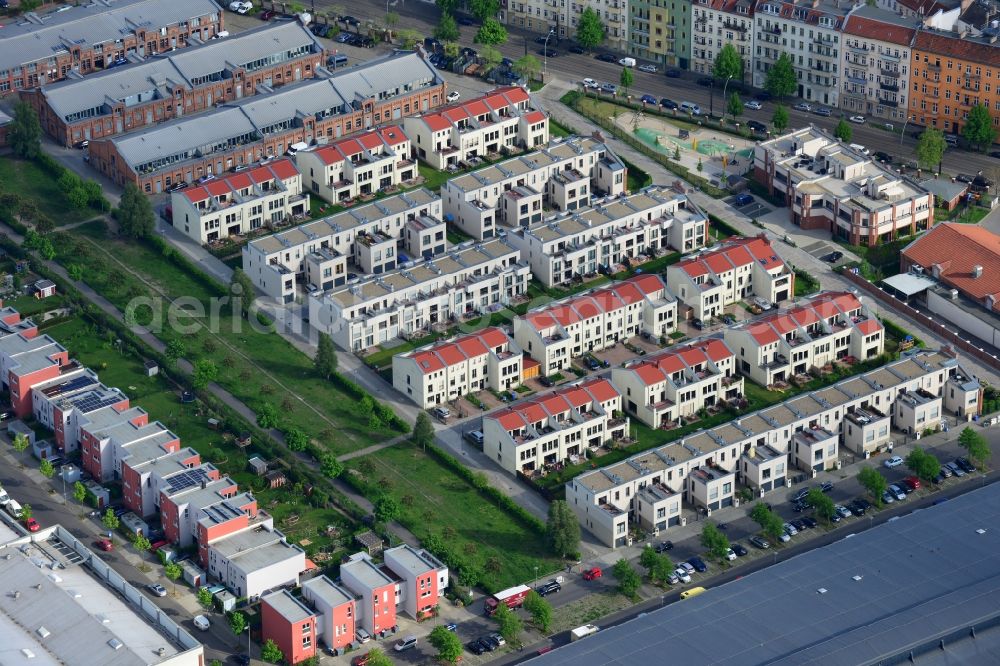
800, 495
550, 587
31, 525
946, 472
826, 487
857, 119
743, 199
824, 111
799, 507
648, 99
809, 522
668, 104
739, 549
798, 524
802, 106
651, 69
609, 88
453, 96
894, 461
706, 81
590, 84
698, 564
730, 555
405, 644
912, 482
591, 363
201, 622
762, 303
496, 639
842, 511
592, 573
682, 575
757, 126
605, 57
362, 636
476, 437
833, 257
476, 646
546, 382
441, 412
698, 324
664, 546
966, 466
955, 469
577, 49
758, 542
753, 104
548, 53
888, 497
687, 566
673, 73
240, 6
105, 545
268, 14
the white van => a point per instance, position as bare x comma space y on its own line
14, 509
296, 147
690, 107
405, 644
201, 622
4, 497
627, 62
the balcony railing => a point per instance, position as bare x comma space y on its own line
890, 73
888, 86
888, 102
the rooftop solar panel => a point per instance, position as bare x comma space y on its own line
72, 385
186, 479
94, 400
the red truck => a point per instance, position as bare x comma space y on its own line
512, 598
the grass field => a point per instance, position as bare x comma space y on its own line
32, 183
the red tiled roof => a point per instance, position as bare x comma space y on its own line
956, 249
873, 29
338, 151
558, 402
739, 252
455, 351
510, 420
281, 169
869, 326
533, 117
969, 50
601, 389
594, 303
494, 100
769, 328
436, 122
654, 369
762, 333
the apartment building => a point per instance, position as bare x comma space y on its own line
238, 203
866, 430
828, 185
612, 232
950, 72
815, 449
810, 33
255, 560
28, 359
357, 166
502, 120
444, 371
557, 427
557, 333
70, 414
471, 279
679, 382
112, 438
650, 489
95, 457
563, 176
45, 395
290, 624
248, 130
82, 39
832, 326
917, 412
423, 579
317, 253
335, 612
660, 31
542, 16
735, 270
148, 471
177, 83
183, 501
378, 591
876, 63
715, 23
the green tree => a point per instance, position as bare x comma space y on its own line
484, 10
562, 529
979, 129
20, 442
447, 6
110, 520
237, 622
174, 350
26, 511
627, 577
267, 416
843, 131
409, 38
46, 468
491, 32
510, 624
590, 31
391, 21
821, 504
423, 431
734, 106
241, 287
135, 213
647, 558
447, 29
79, 491
296, 439
25, 132
728, 64
140, 542
662, 569
541, 611
774, 527
976, 446
873, 481
387, 509
204, 597
451, 49
491, 57
923, 464
781, 80
173, 571
626, 78
930, 148
447, 644
714, 540
330, 466
272, 654
75, 272
205, 372
527, 66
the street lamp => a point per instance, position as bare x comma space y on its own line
903, 133
724, 87
62, 470
545, 55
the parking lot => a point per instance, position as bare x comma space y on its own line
752, 210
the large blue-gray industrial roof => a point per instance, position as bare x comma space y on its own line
873, 597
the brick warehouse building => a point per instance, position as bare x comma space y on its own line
181, 83
240, 133
87, 38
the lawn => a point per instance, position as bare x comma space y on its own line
557, 130
254, 365
383, 357
438, 506
805, 283
433, 179
28, 180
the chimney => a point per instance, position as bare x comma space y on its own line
977, 271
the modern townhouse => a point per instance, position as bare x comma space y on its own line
471, 279
557, 333
335, 612
28, 361
828, 185
563, 176
502, 120
612, 231
660, 31
45, 395
185, 501
715, 23
664, 388
249, 130
290, 624
357, 166
832, 326
542, 432
703, 469
810, 33
379, 236
126, 440
71, 414
723, 275
11, 323
238, 203
444, 371
423, 579
254, 561
82, 39
876, 63
178, 83
95, 454
378, 591
542, 16
149, 469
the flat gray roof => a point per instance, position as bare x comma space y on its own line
323, 588
874, 597
909, 284
288, 606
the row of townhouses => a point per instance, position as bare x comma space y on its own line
368, 596
236, 543
760, 450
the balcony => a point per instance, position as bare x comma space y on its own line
891, 73
780, 361
894, 87
932, 66
732, 25
888, 102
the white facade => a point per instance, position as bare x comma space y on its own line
541, 16
255, 561
424, 576
715, 23
876, 56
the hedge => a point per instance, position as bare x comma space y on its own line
722, 226
384, 413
